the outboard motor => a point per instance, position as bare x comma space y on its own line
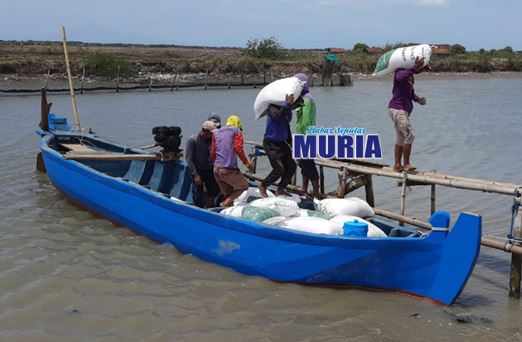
168, 137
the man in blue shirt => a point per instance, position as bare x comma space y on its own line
277, 144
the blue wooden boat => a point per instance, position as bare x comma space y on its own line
137, 194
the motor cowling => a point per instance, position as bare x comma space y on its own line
168, 137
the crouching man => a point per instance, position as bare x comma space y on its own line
226, 146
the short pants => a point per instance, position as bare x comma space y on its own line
230, 181
403, 128
308, 168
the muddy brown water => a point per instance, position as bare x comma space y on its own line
66, 275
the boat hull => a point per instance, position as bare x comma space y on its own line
436, 266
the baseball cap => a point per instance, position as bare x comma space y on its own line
209, 126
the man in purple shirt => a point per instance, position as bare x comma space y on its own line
400, 108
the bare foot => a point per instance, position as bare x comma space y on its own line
409, 167
262, 191
398, 168
282, 192
226, 203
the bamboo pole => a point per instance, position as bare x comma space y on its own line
516, 259
83, 80
253, 176
321, 179
110, 156
406, 219
69, 77
403, 197
432, 199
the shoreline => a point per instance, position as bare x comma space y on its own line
164, 80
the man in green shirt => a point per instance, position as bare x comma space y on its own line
305, 118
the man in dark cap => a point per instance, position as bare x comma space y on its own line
215, 118
201, 165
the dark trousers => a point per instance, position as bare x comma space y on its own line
283, 165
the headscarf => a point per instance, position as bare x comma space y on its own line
235, 121
215, 118
306, 88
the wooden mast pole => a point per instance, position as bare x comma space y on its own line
69, 76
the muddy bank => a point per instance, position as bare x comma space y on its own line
143, 62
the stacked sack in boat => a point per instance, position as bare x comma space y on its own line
283, 211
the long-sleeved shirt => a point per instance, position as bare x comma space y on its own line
227, 145
278, 123
197, 154
305, 116
403, 93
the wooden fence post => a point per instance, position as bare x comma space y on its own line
368, 187
47, 79
206, 81
83, 80
341, 186
173, 82
118, 80
229, 79
150, 83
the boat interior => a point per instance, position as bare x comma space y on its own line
170, 178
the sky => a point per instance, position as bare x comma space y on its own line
295, 24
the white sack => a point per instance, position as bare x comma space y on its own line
249, 195
344, 206
315, 225
276, 220
403, 57
275, 93
234, 211
283, 206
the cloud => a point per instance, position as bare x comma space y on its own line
432, 2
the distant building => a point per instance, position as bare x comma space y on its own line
335, 50
373, 50
442, 50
